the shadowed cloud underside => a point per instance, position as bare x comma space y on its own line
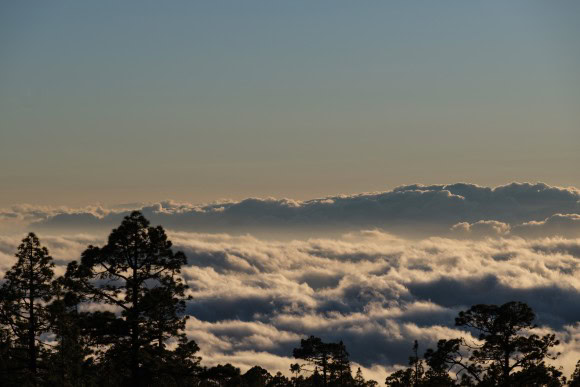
460, 210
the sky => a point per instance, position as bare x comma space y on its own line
114, 102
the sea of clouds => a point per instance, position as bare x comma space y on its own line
375, 270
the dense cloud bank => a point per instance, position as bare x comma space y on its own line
430, 252
253, 299
458, 210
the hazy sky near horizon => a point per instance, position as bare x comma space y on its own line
142, 100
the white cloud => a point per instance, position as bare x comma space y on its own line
375, 291
415, 210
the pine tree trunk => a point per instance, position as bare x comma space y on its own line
134, 334
32, 326
506, 368
324, 362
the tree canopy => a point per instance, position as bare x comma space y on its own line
137, 272
505, 352
23, 298
329, 358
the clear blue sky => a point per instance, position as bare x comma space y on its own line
117, 101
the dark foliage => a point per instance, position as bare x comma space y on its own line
331, 359
138, 273
575, 378
505, 353
23, 313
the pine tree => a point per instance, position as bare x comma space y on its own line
575, 378
359, 380
256, 377
509, 353
416, 376
71, 364
137, 272
331, 358
339, 365
316, 352
23, 298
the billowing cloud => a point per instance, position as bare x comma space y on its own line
413, 210
374, 291
253, 299
264, 273
567, 225
482, 228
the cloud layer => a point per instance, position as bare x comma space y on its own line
374, 270
253, 299
413, 210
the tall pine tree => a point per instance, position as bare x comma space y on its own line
137, 272
24, 297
